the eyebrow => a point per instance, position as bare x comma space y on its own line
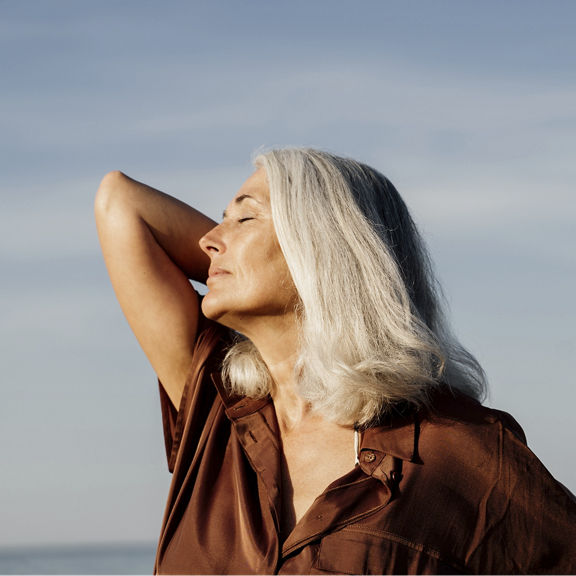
241, 199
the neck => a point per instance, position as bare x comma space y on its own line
291, 409
278, 345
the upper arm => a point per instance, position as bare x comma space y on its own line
150, 246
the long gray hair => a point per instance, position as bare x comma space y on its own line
373, 333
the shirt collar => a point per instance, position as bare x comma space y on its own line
398, 438
237, 407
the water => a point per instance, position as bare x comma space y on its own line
79, 559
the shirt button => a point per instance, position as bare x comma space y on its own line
369, 457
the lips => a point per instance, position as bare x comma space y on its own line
217, 272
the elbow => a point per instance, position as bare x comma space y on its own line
108, 192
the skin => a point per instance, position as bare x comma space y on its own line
251, 290
250, 287
152, 244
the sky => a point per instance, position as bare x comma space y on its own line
468, 107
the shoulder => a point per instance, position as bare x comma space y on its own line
459, 429
481, 498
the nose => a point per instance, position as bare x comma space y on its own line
211, 243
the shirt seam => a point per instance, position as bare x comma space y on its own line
334, 528
391, 536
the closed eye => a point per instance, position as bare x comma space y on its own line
245, 219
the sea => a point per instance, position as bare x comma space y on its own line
79, 559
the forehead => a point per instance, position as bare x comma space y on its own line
254, 188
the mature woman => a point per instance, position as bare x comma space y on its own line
319, 416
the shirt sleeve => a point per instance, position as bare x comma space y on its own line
199, 392
534, 528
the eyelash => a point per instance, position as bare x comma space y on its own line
245, 219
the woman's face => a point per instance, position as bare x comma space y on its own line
249, 281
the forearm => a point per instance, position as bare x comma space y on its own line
122, 202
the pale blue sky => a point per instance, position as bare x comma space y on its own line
469, 107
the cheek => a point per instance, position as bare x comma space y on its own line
276, 264
283, 279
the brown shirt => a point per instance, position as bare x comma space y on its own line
456, 491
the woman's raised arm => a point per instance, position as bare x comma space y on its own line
150, 246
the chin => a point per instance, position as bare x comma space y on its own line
216, 311
210, 308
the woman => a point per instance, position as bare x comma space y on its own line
319, 416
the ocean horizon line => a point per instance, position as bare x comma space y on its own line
131, 557
80, 544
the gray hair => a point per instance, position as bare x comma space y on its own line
373, 333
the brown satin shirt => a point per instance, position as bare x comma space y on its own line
456, 491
